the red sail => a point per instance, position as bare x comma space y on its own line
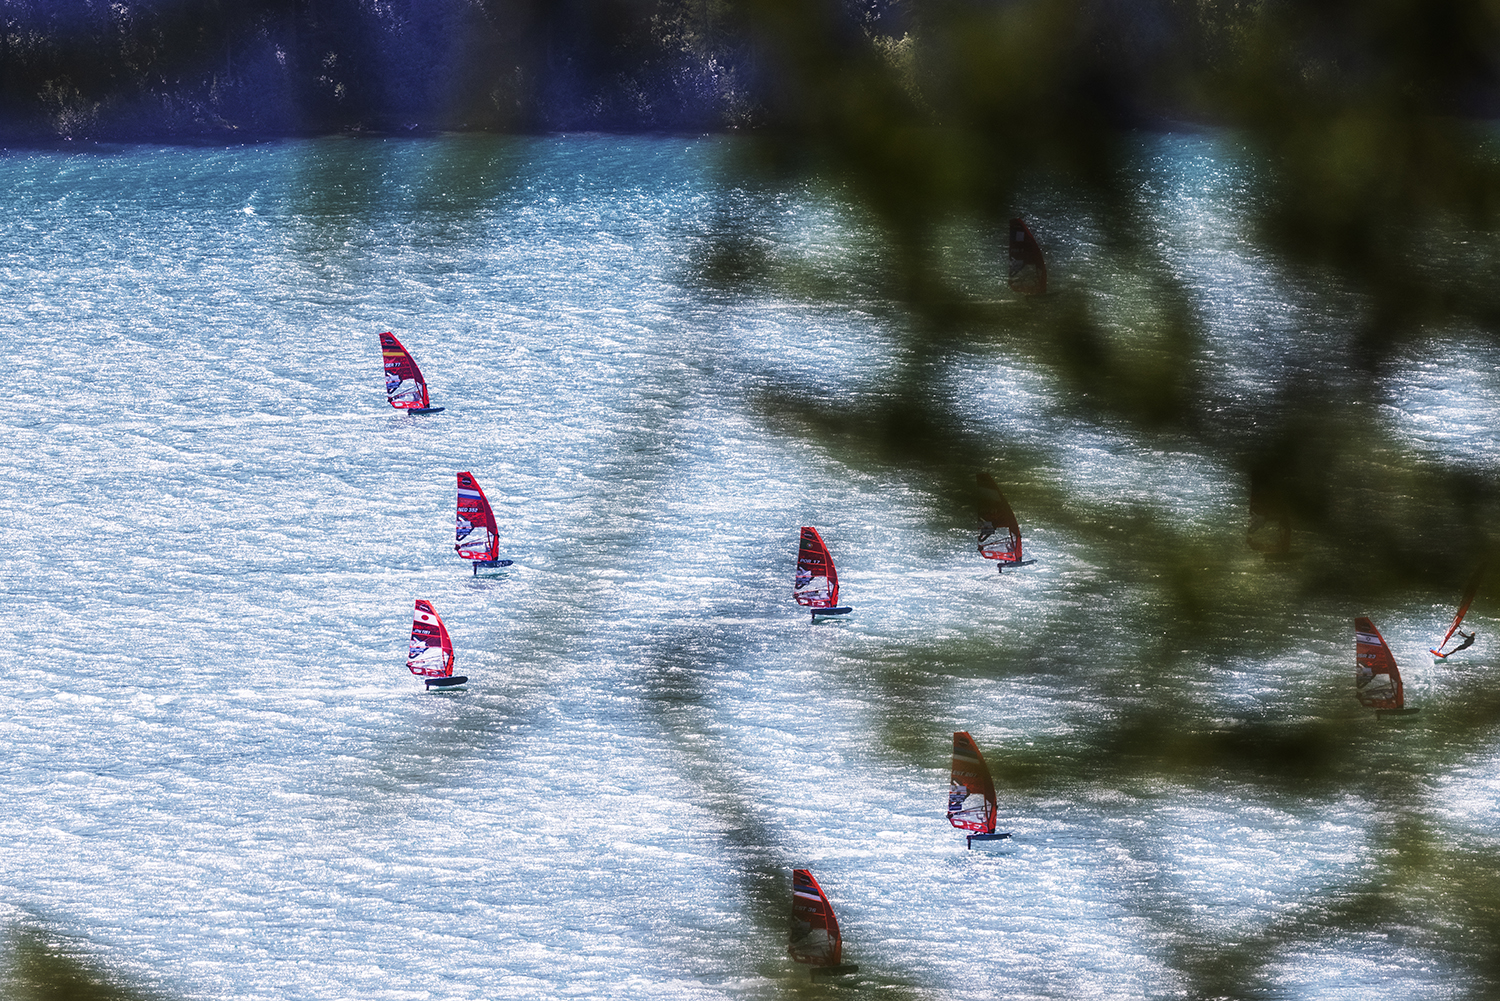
1028, 271
475, 534
431, 651
999, 532
815, 931
971, 791
404, 386
1470, 590
1377, 682
817, 583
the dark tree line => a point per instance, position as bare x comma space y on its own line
182, 68
216, 67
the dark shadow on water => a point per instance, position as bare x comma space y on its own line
41, 965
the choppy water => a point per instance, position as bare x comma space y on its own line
219, 775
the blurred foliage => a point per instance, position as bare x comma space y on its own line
42, 967
1375, 189
1373, 180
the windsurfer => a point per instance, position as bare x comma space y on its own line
1468, 642
407, 390
1371, 686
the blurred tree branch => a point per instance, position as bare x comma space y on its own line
43, 968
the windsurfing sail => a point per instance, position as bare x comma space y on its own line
1470, 590
971, 791
815, 931
999, 532
1377, 682
475, 535
431, 652
817, 583
1028, 271
404, 386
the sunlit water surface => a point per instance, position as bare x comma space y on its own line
220, 776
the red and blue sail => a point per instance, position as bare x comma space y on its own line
817, 583
475, 534
971, 792
815, 931
1377, 681
404, 386
999, 531
431, 652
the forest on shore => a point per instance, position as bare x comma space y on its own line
255, 68
164, 69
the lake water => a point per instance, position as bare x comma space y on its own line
220, 778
